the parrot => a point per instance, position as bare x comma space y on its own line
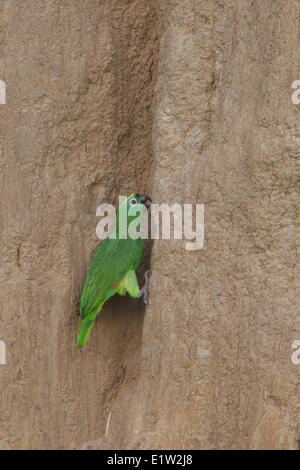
113, 267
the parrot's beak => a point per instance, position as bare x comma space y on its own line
143, 198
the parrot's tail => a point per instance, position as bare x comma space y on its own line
86, 326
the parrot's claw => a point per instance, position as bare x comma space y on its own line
144, 290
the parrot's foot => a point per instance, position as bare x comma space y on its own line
144, 290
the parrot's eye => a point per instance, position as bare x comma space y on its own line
133, 202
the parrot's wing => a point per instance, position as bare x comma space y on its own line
112, 260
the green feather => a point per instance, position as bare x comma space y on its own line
112, 271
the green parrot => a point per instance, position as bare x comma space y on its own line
113, 267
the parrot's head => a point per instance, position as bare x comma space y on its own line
136, 203
139, 199
134, 200
132, 208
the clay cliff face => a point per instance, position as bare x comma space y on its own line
188, 101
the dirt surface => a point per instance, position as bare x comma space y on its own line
188, 101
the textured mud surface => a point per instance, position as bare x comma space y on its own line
187, 101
